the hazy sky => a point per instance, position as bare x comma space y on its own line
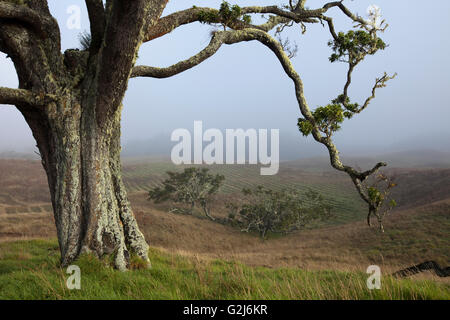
244, 86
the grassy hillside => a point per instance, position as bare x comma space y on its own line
337, 188
24, 189
196, 258
29, 270
413, 233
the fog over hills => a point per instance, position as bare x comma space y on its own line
407, 117
431, 151
419, 159
420, 152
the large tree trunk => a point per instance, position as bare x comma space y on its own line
82, 161
77, 129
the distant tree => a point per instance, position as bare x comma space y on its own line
192, 187
285, 211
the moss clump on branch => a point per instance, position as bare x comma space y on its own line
345, 101
226, 15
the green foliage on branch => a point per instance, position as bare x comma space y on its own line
379, 191
375, 195
280, 212
327, 119
228, 12
208, 16
247, 19
192, 187
305, 126
345, 101
353, 46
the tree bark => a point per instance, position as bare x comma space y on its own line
82, 161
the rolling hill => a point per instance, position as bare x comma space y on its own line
418, 230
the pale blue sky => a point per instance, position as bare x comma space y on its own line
244, 86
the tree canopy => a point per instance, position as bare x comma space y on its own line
279, 212
192, 187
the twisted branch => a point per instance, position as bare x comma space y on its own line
154, 72
259, 33
25, 15
170, 22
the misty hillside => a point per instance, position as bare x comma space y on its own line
400, 159
427, 151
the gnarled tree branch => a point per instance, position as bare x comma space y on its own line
9, 96
172, 21
23, 14
235, 36
345, 10
154, 72
379, 83
298, 14
259, 33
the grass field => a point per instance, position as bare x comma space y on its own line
29, 270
